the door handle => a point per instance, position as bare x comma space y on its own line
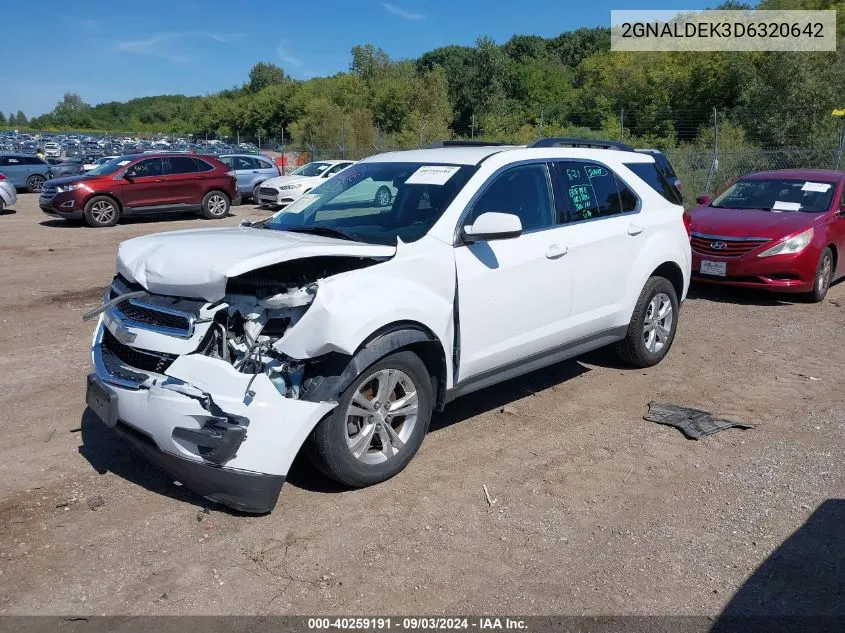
634, 229
554, 251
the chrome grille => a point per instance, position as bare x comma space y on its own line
167, 315
716, 246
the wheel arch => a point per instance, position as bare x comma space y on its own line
110, 196
671, 271
218, 190
397, 336
835, 254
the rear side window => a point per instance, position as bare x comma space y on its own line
182, 165
33, 160
654, 179
591, 191
202, 165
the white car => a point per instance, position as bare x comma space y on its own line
342, 324
52, 150
103, 159
8, 194
281, 191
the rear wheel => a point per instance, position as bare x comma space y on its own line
215, 205
824, 275
379, 423
101, 211
383, 197
653, 325
35, 183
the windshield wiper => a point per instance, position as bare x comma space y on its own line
328, 231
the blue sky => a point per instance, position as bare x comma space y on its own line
117, 49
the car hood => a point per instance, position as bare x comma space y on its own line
288, 180
197, 263
70, 180
750, 222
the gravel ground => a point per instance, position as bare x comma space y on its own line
595, 511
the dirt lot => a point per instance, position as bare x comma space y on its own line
595, 510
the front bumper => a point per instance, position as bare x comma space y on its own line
229, 436
778, 273
61, 205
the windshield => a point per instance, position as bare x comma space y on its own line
777, 194
376, 202
311, 169
109, 167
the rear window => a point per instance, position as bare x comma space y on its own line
648, 172
202, 165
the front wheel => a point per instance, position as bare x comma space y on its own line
215, 205
653, 325
824, 275
383, 197
101, 211
379, 423
255, 193
35, 183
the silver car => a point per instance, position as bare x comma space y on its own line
25, 171
8, 196
250, 171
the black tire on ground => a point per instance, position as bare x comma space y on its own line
327, 445
255, 198
634, 348
824, 275
101, 211
35, 183
215, 205
382, 197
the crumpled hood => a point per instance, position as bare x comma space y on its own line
197, 263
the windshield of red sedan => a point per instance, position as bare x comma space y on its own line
778, 194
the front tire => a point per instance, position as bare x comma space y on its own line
215, 205
255, 193
383, 197
35, 183
379, 423
824, 275
101, 211
653, 325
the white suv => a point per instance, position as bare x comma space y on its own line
341, 324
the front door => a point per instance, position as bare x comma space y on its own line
142, 186
513, 294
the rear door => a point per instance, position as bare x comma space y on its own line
182, 181
602, 236
144, 186
14, 169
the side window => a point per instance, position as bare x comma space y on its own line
654, 179
263, 164
146, 168
33, 160
202, 165
335, 168
227, 160
4, 161
591, 191
14, 161
524, 191
182, 165
239, 162
629, 198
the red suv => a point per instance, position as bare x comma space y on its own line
142, 184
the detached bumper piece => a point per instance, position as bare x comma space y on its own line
237, 489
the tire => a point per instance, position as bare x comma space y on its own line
648, 341
35, 183
255, 198
383, 197
101, 211
215, 205
824, 275
351, 449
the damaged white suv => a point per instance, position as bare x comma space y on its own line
341, 324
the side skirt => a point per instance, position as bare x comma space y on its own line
537, 361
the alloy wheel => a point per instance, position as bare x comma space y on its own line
216, 205
825, 273
381, 416
657, 327
36, 183
103, 212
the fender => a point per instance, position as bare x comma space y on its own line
329, 388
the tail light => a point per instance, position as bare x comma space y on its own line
2, 177
230, 173
688, 223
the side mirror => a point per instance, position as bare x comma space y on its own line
492, 226
704, 199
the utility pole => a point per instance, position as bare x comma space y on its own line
622, 124
541, 123
422, 129
472, 127
840, 148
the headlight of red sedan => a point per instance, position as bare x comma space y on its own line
790, 246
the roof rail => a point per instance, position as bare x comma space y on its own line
463, 143
581, 142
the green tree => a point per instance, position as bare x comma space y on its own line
264, 74
20, 119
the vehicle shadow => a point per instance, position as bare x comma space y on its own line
59, 223
106, 451
7, 211
740, 296
800, 586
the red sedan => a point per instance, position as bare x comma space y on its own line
777, 230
